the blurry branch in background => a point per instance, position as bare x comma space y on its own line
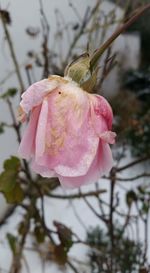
136, 14
7, 214
86, 19
45, 45
11, 48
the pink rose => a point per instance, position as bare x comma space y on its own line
69, 132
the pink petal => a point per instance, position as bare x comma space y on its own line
101, 165
27, 144
42, 170
100, 108
108, 137
71, 142
34, 95
41, 130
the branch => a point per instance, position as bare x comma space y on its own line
13, 55
15, 125
46, 30
111, 216
95, 212
133, 178
96, 56
16, 263
77, 195
85, 21
17, 129
147, 157
72, 267
7, 214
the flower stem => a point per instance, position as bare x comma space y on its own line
97, 54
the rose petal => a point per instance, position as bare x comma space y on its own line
108, 137
27, 144
71, 141
41, 131
34, 95
100, 109
101, 165
42, 170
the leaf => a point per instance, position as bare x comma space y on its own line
16, 195
131, 197
12, 240
39, 234
2, 127
5, 16
60, 254
141, 190
145, 207
64, 234
7, 180
8, 177
12, 163
11, 92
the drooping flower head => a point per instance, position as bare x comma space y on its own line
69, 131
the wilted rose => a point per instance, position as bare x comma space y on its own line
69, 131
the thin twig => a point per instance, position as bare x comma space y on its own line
86, 20
72, 267
12, 52
7, 214
77, 195
131, 164
129, 179
96, 56
95, 212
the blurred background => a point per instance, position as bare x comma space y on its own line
102, 227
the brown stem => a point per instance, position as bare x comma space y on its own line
45, 30
95, 212
13, 55
133, 178
77, 195
16, 264
111, 213
17, 130
72, 267
147, 157
15, 125
7, 214
86, 20
96, 56
145, 240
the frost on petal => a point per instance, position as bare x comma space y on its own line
68, 135
101, 113
42, 170
101, 165
27, 144
41, 130
108, 137
34, 95
71, 143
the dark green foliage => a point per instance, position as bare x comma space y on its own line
138, 81
9, 184
141, 26
12, 240
131, 197
64, 234
127, 253
138, 133
11, 92
2, 125
39, 233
